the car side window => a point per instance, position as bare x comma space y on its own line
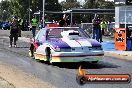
40, 37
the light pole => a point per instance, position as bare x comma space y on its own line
29, 13
43, 11
39, 15
3, 16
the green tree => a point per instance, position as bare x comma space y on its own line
72, 4
69, 4
98, 4
4, 10
90, 4
19, 7
52, 5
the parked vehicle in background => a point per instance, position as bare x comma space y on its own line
6, 26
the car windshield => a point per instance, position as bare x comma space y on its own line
60, 32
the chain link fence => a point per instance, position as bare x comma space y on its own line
88, 27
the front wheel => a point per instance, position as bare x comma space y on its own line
31, 53
48, 55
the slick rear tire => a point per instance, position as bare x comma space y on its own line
32, 50
48, 55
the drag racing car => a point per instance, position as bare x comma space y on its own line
65, 44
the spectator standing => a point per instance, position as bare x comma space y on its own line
110, 28
34, 25
42, 25
20, 21
103, 27
96, 29
14, 31
64, 22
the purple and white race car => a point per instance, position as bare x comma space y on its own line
65, 44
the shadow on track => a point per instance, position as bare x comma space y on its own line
22, 47
85, 65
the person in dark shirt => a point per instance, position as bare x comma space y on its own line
97, 29
64, 22
14, 31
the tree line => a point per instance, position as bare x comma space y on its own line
21, 8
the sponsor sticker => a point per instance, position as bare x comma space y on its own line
83, 78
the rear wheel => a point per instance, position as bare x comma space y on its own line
32, 50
